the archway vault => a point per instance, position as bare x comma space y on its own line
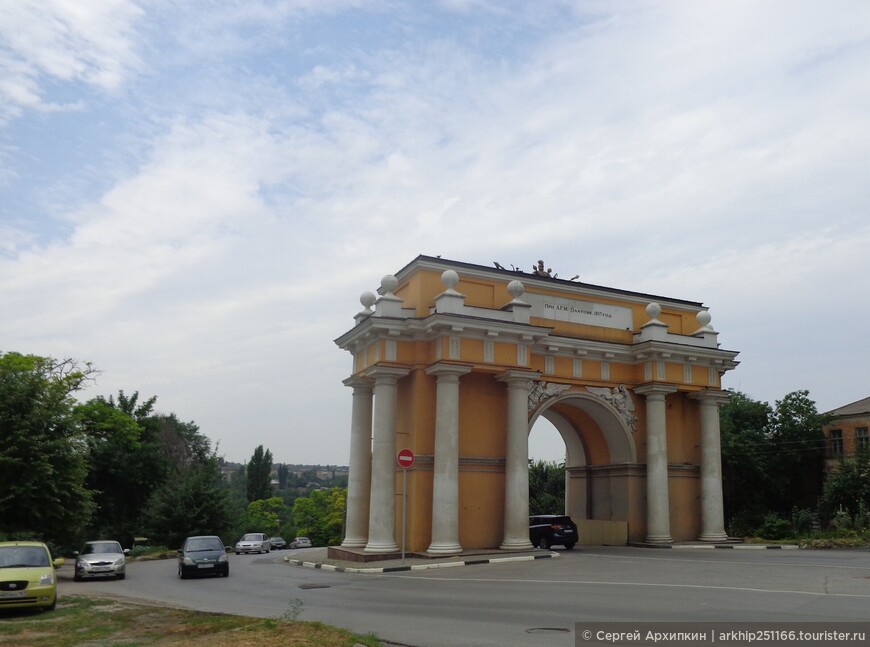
608, 422
600, 464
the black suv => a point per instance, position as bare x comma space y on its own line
548, 529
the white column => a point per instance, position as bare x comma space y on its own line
712, 509
445, 484
516, 477
359, 478
658, 520
382, 509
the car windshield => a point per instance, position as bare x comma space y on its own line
205, 543
252, 537
18, 556
102, 547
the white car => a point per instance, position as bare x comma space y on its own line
253, 542
301, 542
101, 559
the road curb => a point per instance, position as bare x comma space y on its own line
719, 546
416, 567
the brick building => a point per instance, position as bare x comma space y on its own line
847, 433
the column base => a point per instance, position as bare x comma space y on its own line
658, 539
516, 544
717, 537
444, 549
381, 548
354, 543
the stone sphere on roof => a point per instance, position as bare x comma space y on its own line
449, 278
389, 283
368, 299
516, 289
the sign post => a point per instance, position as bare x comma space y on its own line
405, 459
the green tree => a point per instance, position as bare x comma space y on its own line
193, 503
192, 498
130, 405
181, 444
848, 489
267, 515
260, 475
124, 462
282, 471
546, 487
772, 458
320, 516
746, 455
42, 451
796, 436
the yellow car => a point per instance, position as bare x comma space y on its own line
27, 578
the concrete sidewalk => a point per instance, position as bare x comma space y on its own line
318, 558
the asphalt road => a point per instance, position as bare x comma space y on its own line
522, 603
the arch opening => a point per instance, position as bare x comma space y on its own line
600, 465
547, 476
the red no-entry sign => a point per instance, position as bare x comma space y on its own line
405, 458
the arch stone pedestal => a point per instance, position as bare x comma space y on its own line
456, 361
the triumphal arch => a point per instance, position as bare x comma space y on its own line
456, 361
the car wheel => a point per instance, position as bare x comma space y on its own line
121, 576
53, 604
570, 546
544, 543
181, 573
226, 573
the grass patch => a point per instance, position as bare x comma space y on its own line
821, 539
80, 620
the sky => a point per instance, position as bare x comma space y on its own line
194, 194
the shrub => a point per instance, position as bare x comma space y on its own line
139, 551
842, 520
774, 527
862, 519
743, 523
802, 521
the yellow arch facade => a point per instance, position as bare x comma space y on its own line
456, 362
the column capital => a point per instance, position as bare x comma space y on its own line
384, 372
716, 396
358, 382
447, 368
518, 375
655, 388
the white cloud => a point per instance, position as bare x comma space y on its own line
708, 152
66, 41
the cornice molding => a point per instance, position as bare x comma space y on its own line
574, 288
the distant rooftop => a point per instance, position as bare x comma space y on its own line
854, 409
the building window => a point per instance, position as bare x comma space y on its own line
862, 440
836, 442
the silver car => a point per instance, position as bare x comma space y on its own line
301, 542
253, 542
101, 559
